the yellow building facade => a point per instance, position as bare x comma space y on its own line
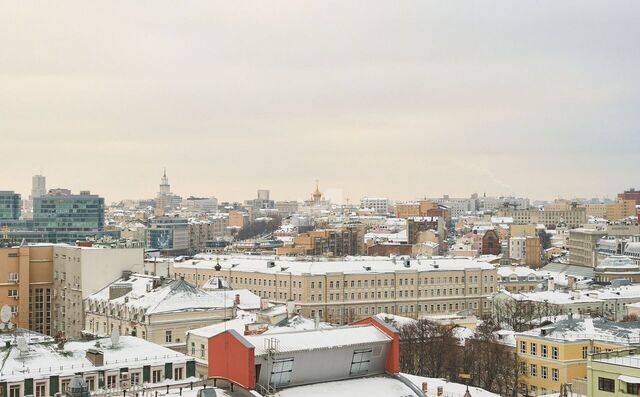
551, 356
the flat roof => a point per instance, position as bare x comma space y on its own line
322, 338
323, 266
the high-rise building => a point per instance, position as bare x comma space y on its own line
69, 216
10, 205
263, 194
38, 186
166, 200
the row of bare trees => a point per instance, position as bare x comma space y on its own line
432, 350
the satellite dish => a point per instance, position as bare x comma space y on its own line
22, 344
115, 337
5, 314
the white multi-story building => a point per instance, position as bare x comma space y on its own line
458, 206
517, 249
379, 204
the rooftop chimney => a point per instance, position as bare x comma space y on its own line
236, 301
95, 356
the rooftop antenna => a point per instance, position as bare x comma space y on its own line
5, 317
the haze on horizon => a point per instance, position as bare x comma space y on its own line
404, 100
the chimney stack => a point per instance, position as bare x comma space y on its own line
236, 301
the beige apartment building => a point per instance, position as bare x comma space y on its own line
596, 210
572, 216
343, 291
582, 245
26, 286
81, 271
621, 209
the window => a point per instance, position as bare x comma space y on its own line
554, 353
177, 374
534, 349
584, 351
554, 374
91, 383
14, 391
167, 337
543, 349
202, 351
281, 371
534, 370
112, 381
40, 389
606, 384
360, 362
193, 349
135, 378
523, 368
157, 376
544, 372
523, 347
633, 388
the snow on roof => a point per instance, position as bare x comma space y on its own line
590, 329
360, 387
243, 318
323, 338
175, 296
448, 388
627, 291
552, 297
322, 266
618, 262
519, 271
44, 359
238, 323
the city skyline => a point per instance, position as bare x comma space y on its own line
536, 99
334, 194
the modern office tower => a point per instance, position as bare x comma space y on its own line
170, 235
69, 217
10, 205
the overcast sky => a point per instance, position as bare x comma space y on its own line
400, 99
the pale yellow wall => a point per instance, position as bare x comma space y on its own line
363, 299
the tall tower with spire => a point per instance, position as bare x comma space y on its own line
165, 188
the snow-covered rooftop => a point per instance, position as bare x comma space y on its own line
178, 295
321, 266
44, 359
600, 329
361, 387
323, 338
